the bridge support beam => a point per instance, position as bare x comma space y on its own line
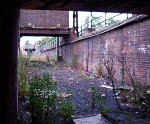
9, 23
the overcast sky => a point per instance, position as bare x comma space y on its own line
81, 17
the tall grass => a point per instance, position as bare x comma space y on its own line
42, 58
23, 74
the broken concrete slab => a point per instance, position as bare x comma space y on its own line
97, 119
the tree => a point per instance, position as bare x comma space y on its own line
45, 41
111, 21
87, 22
27, 42
95, 22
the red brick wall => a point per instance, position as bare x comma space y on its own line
51, 54
133, 40
44, 18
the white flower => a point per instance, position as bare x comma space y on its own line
46, 96
103, 95
148, 91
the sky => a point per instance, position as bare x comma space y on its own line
81, 17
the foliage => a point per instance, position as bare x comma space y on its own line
42, 58
42, 98
45, 102
98, 98
109, 64
140, 95
28, 42
23, 75
95, 22
74, 61
45, 40
144, 100
111, 21
66, 110
132, 76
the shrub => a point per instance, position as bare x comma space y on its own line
45, 102
43, 98
66, 110
97, 97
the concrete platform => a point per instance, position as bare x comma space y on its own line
97, 119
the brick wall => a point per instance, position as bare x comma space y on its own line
130, 40
51, 54
44, 18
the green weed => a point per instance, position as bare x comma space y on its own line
23, 75
43, 98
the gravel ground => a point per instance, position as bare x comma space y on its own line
79, 83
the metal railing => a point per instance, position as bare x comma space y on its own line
101, 24
50, 45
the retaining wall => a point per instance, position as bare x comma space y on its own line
129, 40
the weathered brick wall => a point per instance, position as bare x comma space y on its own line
44, 18
51, 54
131, 41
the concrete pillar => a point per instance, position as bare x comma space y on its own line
9, 22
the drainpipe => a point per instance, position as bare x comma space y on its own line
148, 76
87, 58
57, 48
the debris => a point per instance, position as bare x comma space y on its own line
90, 120
70, 79
63, 95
